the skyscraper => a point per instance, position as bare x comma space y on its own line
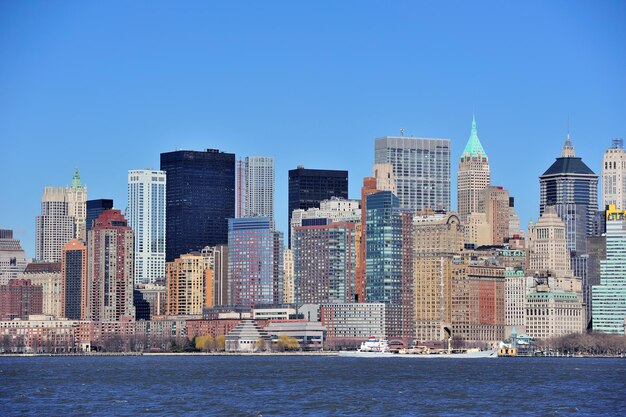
609, 298
55, 227
94, 209
200, 198
548, 244
614, 176
74, 279
146, 216
572, 188
421, 168
76, 197
256, 187
110, 268
324, 259
308, 187
255, 264
189, 285
473, 176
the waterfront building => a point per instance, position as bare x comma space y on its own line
474, 175
614, 176
55, 226
248, 336
255, 187
389, 265
369, 187
572, 188
324, 258
189, 286
200, 198
515, 299
110, 253
421, 168
494, 202
255, 262
309, 187
288, 276
438, 238
45, 334
19, 298
354, 322
477, 301
74, 280
609, 297
146, 216
553, 313
94, 209
47, 275
310, 336
12, 257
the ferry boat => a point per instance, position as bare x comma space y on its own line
372, 347
376, 348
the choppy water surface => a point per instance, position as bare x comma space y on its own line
310, 386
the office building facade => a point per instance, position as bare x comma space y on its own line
474, 175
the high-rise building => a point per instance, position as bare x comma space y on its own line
94, 209
614, 176
609, 298
515, 298
324, 258
76, 197
421, 168
146, 216
74, 280
12, 256
548, 245
369, 187
288, 276
474, 175
308, 187
438, 238
255, 191
494, 202
332, 210
200, 198
189, 285
255, 262
572, 188
110, 269
55, 226
47, 275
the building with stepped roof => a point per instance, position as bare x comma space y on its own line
247, 337
572, 188
12, 256
474, 175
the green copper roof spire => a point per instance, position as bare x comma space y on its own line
76, 180
473, 147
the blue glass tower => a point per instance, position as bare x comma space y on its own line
95, 208
200, 198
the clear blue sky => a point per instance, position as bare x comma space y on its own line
108, 86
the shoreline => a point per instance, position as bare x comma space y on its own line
320, 354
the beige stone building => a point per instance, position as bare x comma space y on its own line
474, 175
554, 313
438, 238
189, 286
477, 230
494, 202
547, 245
48, 276
614, 176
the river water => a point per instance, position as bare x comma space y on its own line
310, 386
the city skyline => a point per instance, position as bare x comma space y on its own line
321, 88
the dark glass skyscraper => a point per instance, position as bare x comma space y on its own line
200, 198
572, 188
95, 208
308, 187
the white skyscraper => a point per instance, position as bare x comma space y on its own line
256, 187
63, 213
421, 168
614, 176
146, 216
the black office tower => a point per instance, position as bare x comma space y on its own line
200, 198
308, 187
95, 208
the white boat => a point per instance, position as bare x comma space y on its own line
374, 348
371, 348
